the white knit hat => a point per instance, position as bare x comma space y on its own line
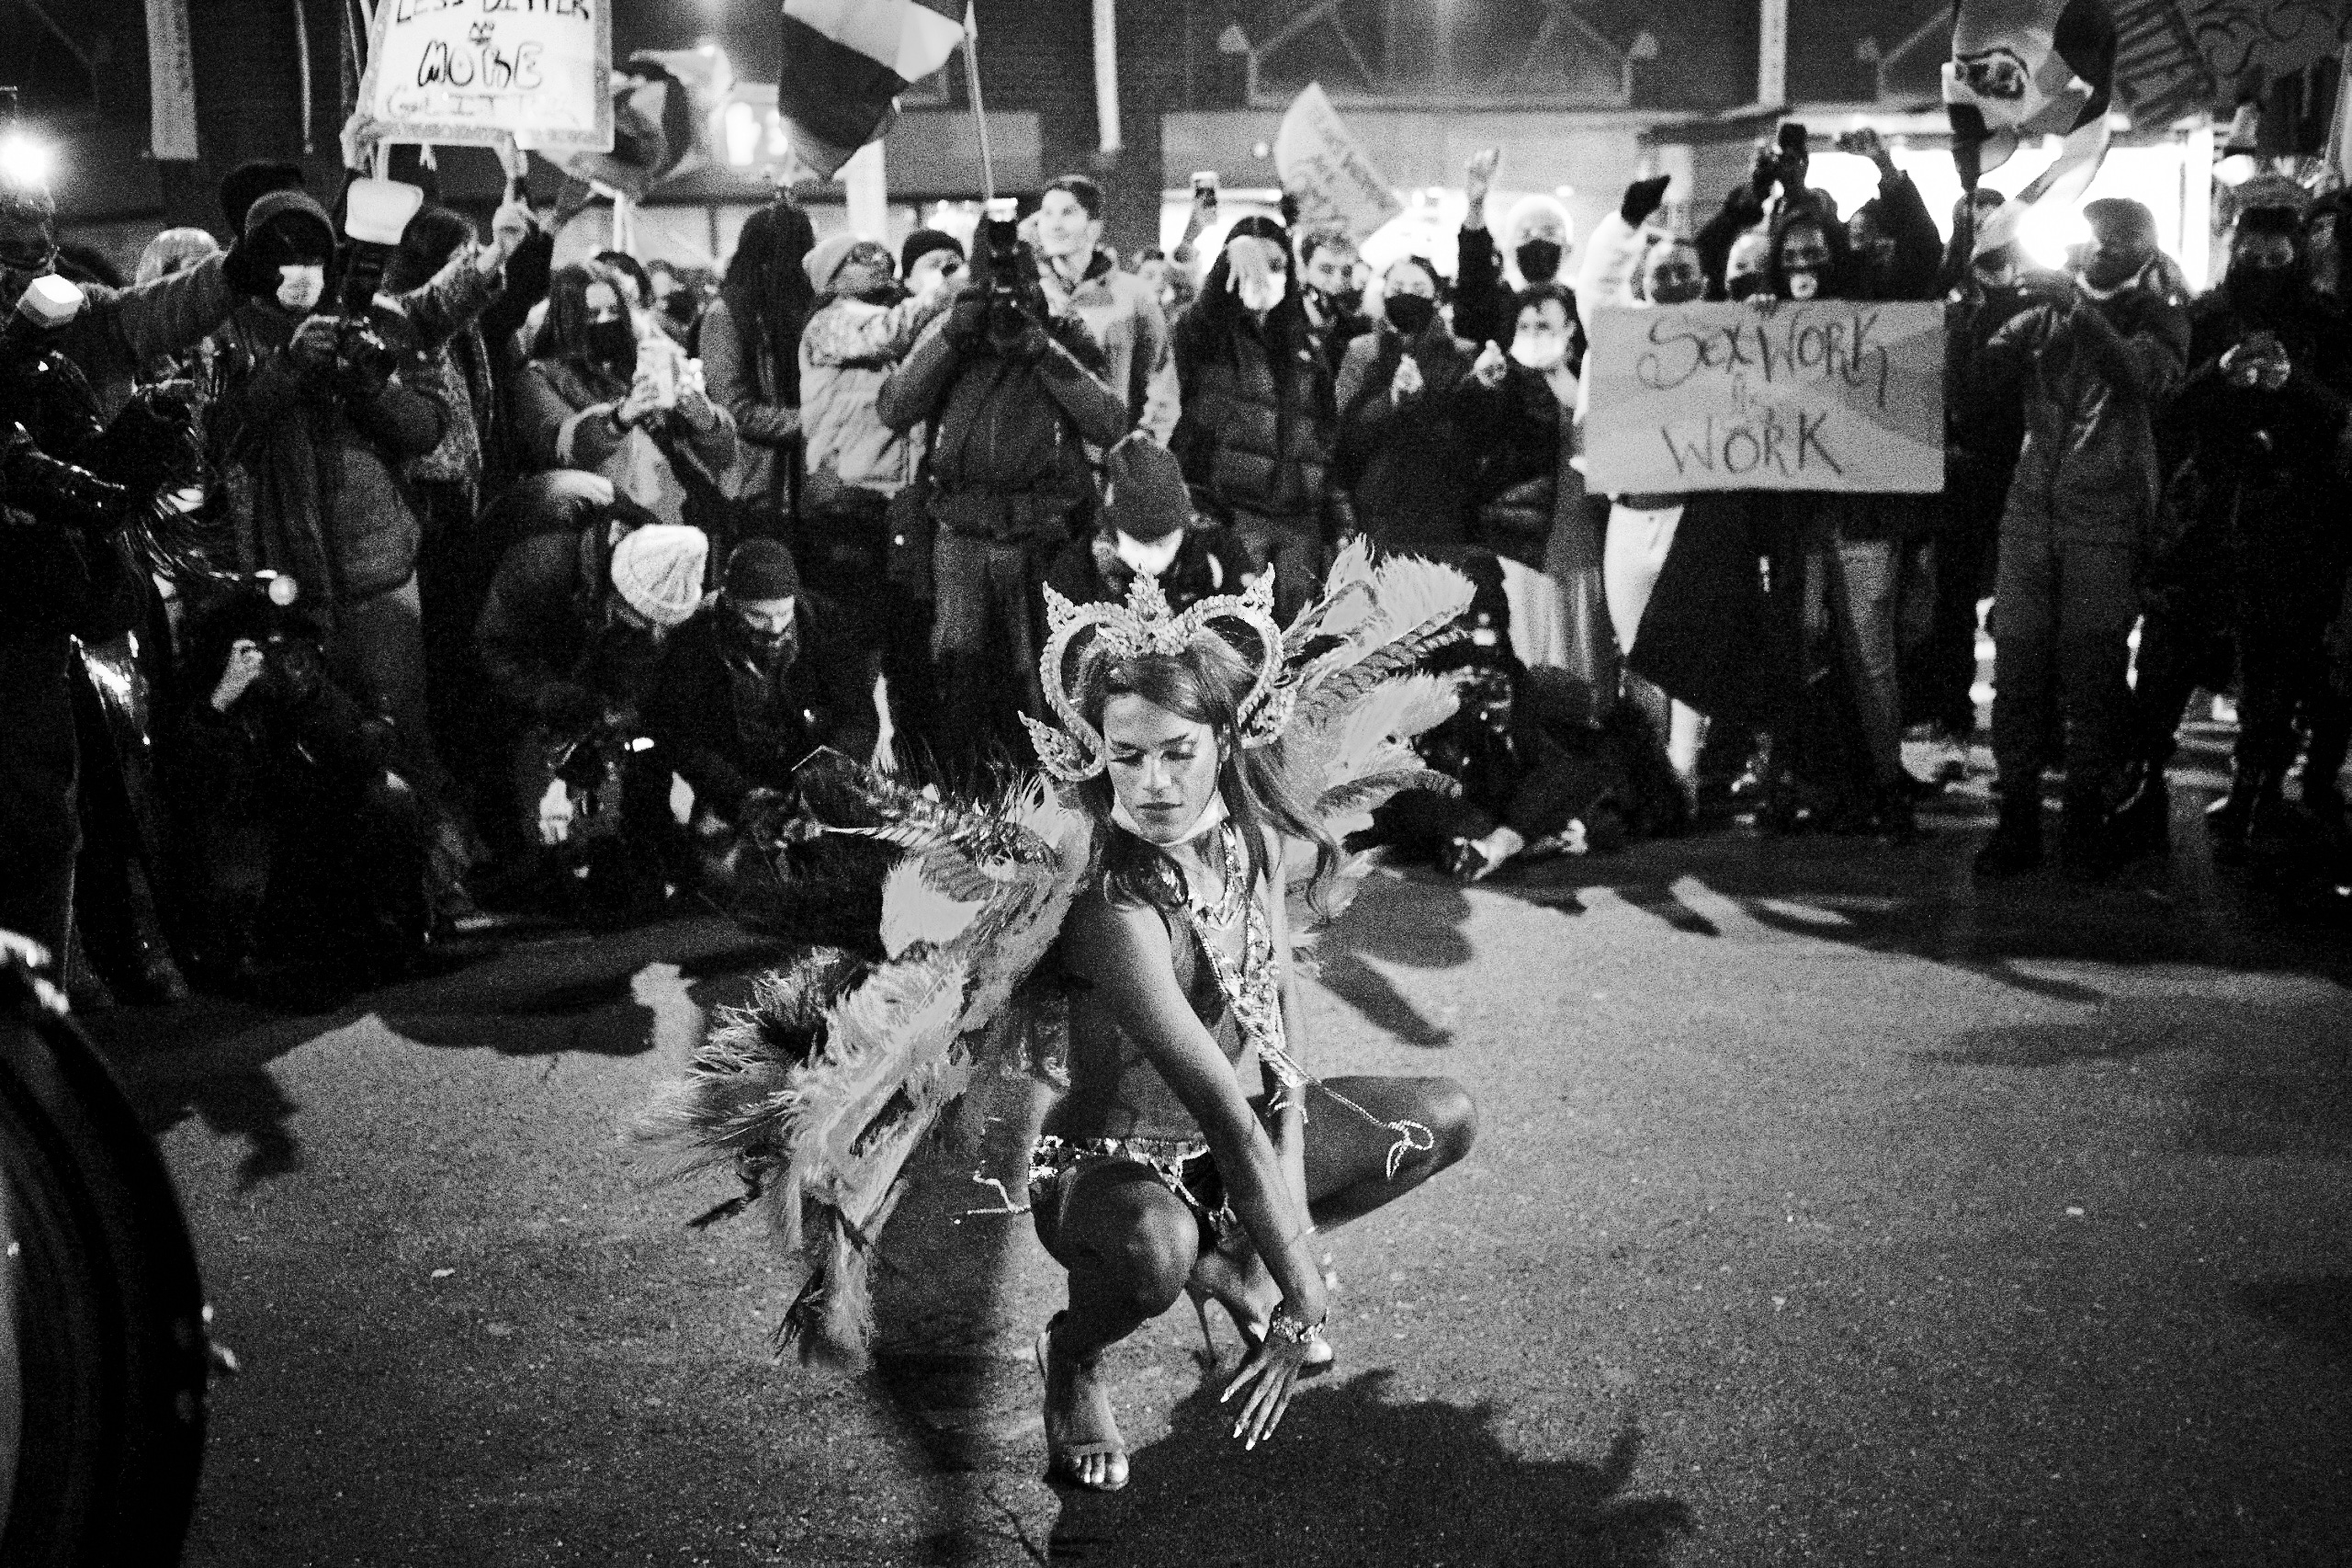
658, 572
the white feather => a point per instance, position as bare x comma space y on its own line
914, 911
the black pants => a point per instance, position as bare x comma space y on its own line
844, 551
988, 634
2063, 616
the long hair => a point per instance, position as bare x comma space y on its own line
768, 293
563, 335
1206, 684
1836, 278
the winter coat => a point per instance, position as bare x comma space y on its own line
1259, 417
848, 351
314, 474
746, 384
2087, 470
727, 727
1009, 460
1122, 313
1406, 462
1209, 561
1515, 432
1482, 310
119, 330
453, 368
1911, 272
543, 616
2245, 432
567, 423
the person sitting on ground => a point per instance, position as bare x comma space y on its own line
1148, 528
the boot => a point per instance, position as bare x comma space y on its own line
2015, 846
2141, 825
2229, 817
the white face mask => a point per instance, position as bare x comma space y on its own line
1260, 294
1540, 351
1804, 284
299, 288
1153, 557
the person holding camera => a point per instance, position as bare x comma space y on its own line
2259, 566
1013, 396
300, 848
1780, 168
2092, 360
635, 409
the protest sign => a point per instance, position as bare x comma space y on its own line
480, 71
1826, 395
1326, 169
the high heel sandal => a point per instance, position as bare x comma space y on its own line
1063, 1456
1319, 1355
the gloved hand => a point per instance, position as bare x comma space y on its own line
1031, 344
32, 481
968, 319
312, 352
1641, 199
248, 272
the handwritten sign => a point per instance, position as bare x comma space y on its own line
480, 71
1322, 166
1829, 395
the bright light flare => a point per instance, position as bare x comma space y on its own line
26, 160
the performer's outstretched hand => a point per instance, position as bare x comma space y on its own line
1276, 1364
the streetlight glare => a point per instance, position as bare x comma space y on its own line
26, 160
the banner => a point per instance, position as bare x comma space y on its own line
2028, 68
478, 71
1327, 171
846, 62
171, 81
1828, 395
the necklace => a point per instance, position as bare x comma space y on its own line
1220, 914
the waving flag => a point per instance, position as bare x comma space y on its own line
2030, 68
846, 62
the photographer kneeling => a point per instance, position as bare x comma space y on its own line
301, 847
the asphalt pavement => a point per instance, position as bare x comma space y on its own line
1827, 1208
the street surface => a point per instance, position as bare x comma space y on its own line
1827, 1208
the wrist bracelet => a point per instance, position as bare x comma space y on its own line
1288, 1326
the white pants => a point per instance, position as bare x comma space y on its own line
1631, 559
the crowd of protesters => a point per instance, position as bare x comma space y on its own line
527, 586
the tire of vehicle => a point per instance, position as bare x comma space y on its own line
103, 1353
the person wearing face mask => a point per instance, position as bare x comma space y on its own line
1538, 237
1082, 278
2092, 360
587, 406
1327, 287
748, 340
1897, 249
1406, 464
2260, 561
1149, 529
1774, 190
753, 683
1012, 394
858, 466
1258, 412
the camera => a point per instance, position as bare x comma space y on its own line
1003, 260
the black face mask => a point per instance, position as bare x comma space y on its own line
1411, 314
1335, 301
884, 294
2262, 290
614, 343
1539, 260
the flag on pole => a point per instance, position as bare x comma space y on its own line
2030, 68
846, 62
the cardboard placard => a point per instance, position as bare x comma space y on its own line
480, 71
1826, 395
1326, 169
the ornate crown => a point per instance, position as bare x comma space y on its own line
1144, 623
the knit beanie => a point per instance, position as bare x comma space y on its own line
761, 568
248, 183
825, 258
921, 244
658, 571
1145, 497
286, 224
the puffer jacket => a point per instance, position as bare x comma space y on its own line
1120, 310
848, 351
1009, 461
1259, 412
1406, 461
2087, 472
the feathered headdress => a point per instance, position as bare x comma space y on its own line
819, 1090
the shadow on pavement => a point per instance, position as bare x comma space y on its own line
1354, 1481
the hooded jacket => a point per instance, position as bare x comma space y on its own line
314, 468
2087, 470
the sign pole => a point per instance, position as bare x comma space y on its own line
980, 110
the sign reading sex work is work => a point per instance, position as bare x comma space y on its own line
482, 70
1830, 395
